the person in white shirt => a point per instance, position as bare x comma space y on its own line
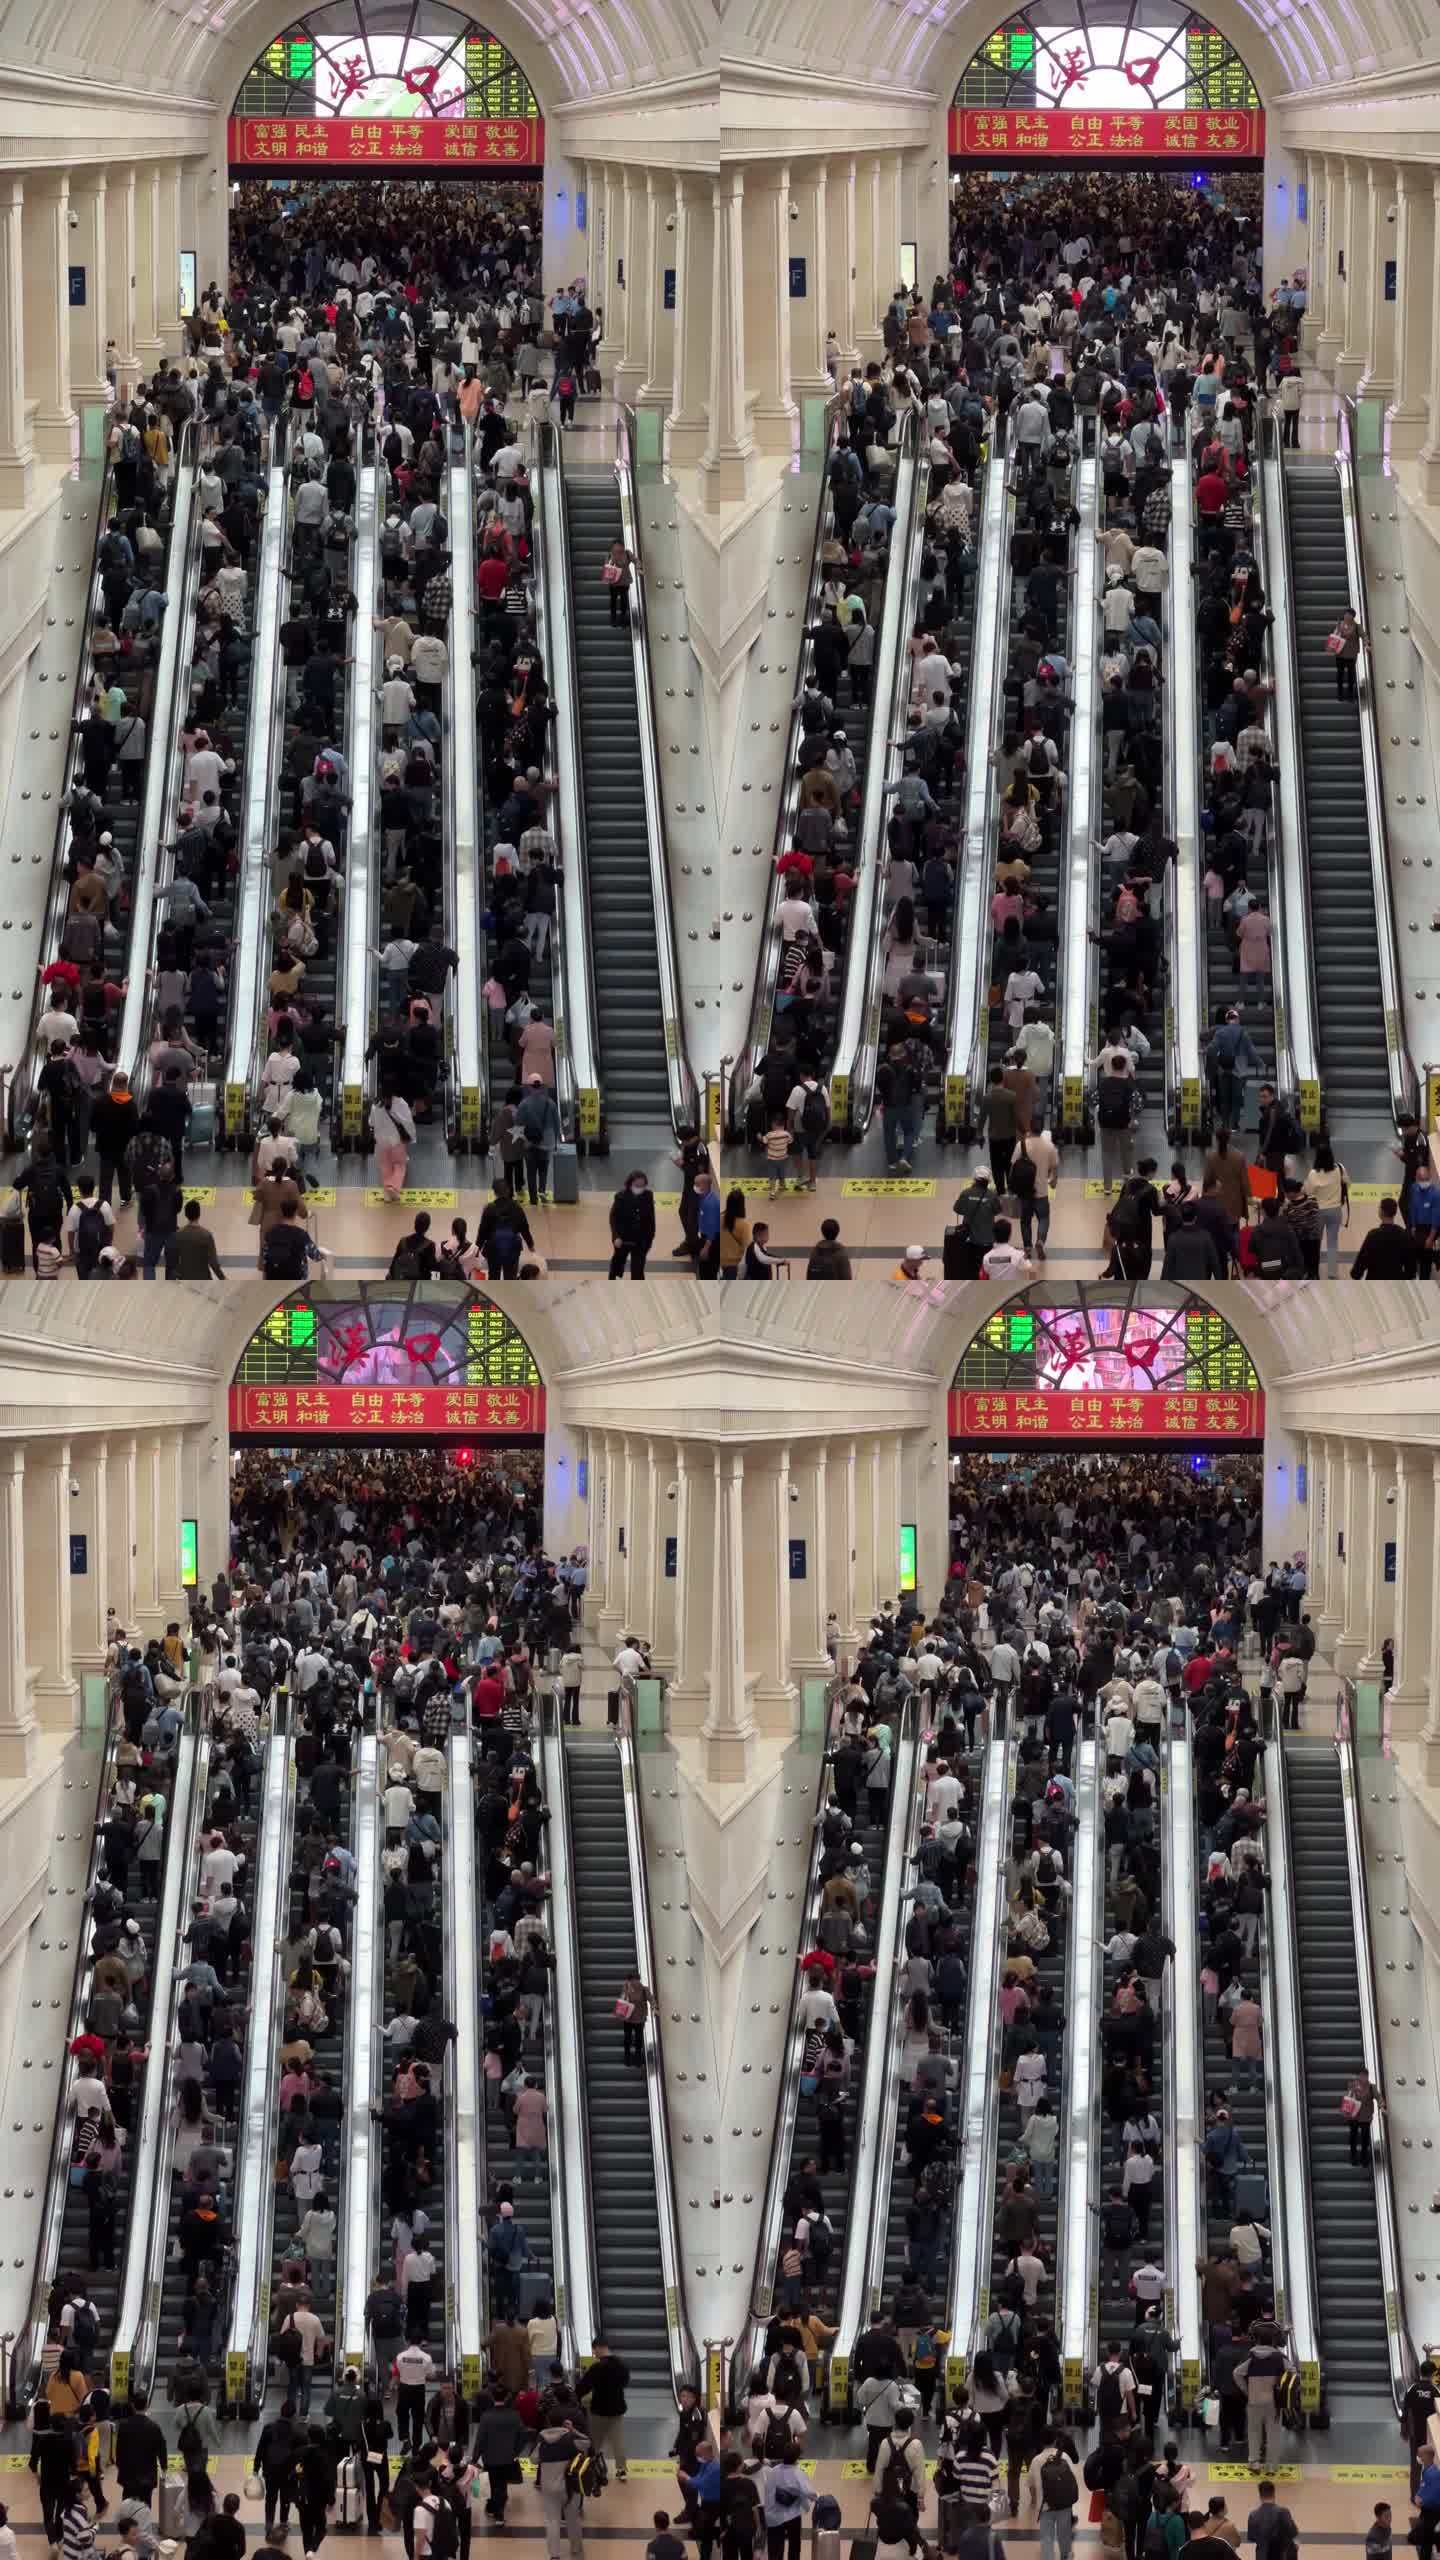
397, 698
399, 1805
1004, 1258
1119, 1734
1148, 2283
219, 1865
630, 1662
1004, 1669
1029, 2079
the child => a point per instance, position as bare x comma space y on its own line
663, 2544
777, 1150
1377, 2540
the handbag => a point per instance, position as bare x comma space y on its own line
624, 2008
611, 574
1349, 2107
1334, 643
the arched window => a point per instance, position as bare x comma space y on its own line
375, 59
387, 1357
1090, 56
1099, 1363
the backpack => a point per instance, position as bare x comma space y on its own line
289, 2347
895, 2480
131, 446
404, 1261
779, 2443
1057, 2483
132, 1687
444, 2531
285, 1254
815, 1113
189, 2440
1127, 1218
927, 2352
91, 1237
84, 2330
1155, 2546
1109, 2398
586, 2473
1112, 1102
788, 2382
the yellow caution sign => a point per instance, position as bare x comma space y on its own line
1072, 1101
1190, 1102
587, 1112
352, 1111
1378, 2475
1189, 2367
712, 1111
469, 2376
320, 1195
839, 2391
1309, 2386
120, 2375
840, 1100
236, 1101
714, 2376
956, 1089
1073, 2382
1253, 2471
1309, 1103
411, 1200
205, 1194
237, 2368
1432, 1099
469, 1111
956, 2369
890, 1188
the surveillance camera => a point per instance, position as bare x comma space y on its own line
671, 1491
1390, 1493
74, 1488
74, 221
794, 213
669, 221
794, 1493
1390, 212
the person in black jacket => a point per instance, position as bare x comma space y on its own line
828, 1258
141, 2451
114, 1121
1388, 1252
632, 1227
603, 2385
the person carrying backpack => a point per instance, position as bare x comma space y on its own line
561, 2456
435, 2527
969, 1240
1115, 1119
1052, 2495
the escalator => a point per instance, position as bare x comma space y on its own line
624, 949
398, 2188
624, 2203
1117, 2311
1344, 2218
1343, 934
836, 2184
1045, 863
328, 2059
1247, 2098
1050, 1968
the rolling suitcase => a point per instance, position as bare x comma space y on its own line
1252, 2196
170, 2508
349, 2508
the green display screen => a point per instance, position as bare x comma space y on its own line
189, 1555
908, 1576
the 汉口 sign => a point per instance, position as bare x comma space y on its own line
387, 142
1061, 133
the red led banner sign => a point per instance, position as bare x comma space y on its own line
387, 142
367, 1413
1030, 1413
1062, 133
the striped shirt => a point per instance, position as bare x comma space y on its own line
975, 2478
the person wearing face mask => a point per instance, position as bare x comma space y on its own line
632, 1227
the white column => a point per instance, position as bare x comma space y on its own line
1329, 1616
840, 258
17, 1715
90, 1590
811, 319
612, 301
729, 447
48, 1631
1359, 277
695, 1532
594, 232
149, 346
690, 327
611, 1606
840, 1505
811, 1605
887, 229
1415, 1588
1378, 380
1317, 263
1430, 1730
871, 291
867, 1594
643, 1538
120, 1520
657, 389
887, 1518
120, 274
728, 1730
633, 366
1430, 449
1330, 338
770, 1524
168, 246
1415, 310
625, 1519
47, 312
1317, 1548
767, 229
16, 452
88, 249
664, 1650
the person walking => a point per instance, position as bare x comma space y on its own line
632, 2009
562, 2506
392, 1135
1358, 2107
632, 1227
1344, 647
618, 575
603, 2385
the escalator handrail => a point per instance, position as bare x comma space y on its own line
147, 2221
1077, 2290
464, 2146
28, 2356
57, 903
777, 2176
264, 758
572, 2251
1287, 2139
1183, 2061
857, 1046
684, 2363
879, 2130
974, 2205
468, 1096
1292, 966
772, 941
165, 769
1399, 1065
1077, 997
578, 1093
358, 968
253, 2220
1186, 1009
967, 995
684, 1093
359, 2202
1404, 2363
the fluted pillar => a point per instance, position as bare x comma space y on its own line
1329, 1617
690, 327
17, 1714
1415, 1472
840, 1497
1430, 449
658, 388
120, 274
767, 238
47, 312
1359, 276
16, 451
612, 303
696, 1585
1430, 1730
1317, 251
149, 346
48, 1636
121, 1537
170, 326
643, 1538
1415, 308
1377, 382
840, 217
88, 320
871, 291
725, 463
664, 1652
728, 1730
1332, 337
812, 1600
632, 366
770, 1596
90, 1519
810, 318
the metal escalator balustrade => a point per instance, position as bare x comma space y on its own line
1354, 2293
1185, 952
1077, 2285
1289, 1014
1077, 997
1292, 2238
644, 1080
252, 889
569, 961
1182, 2060
1344, 932
467, 1097
968, 984
969, 2292
572, 2246
356, 2237
357, 976
253, 2184
464, 2144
